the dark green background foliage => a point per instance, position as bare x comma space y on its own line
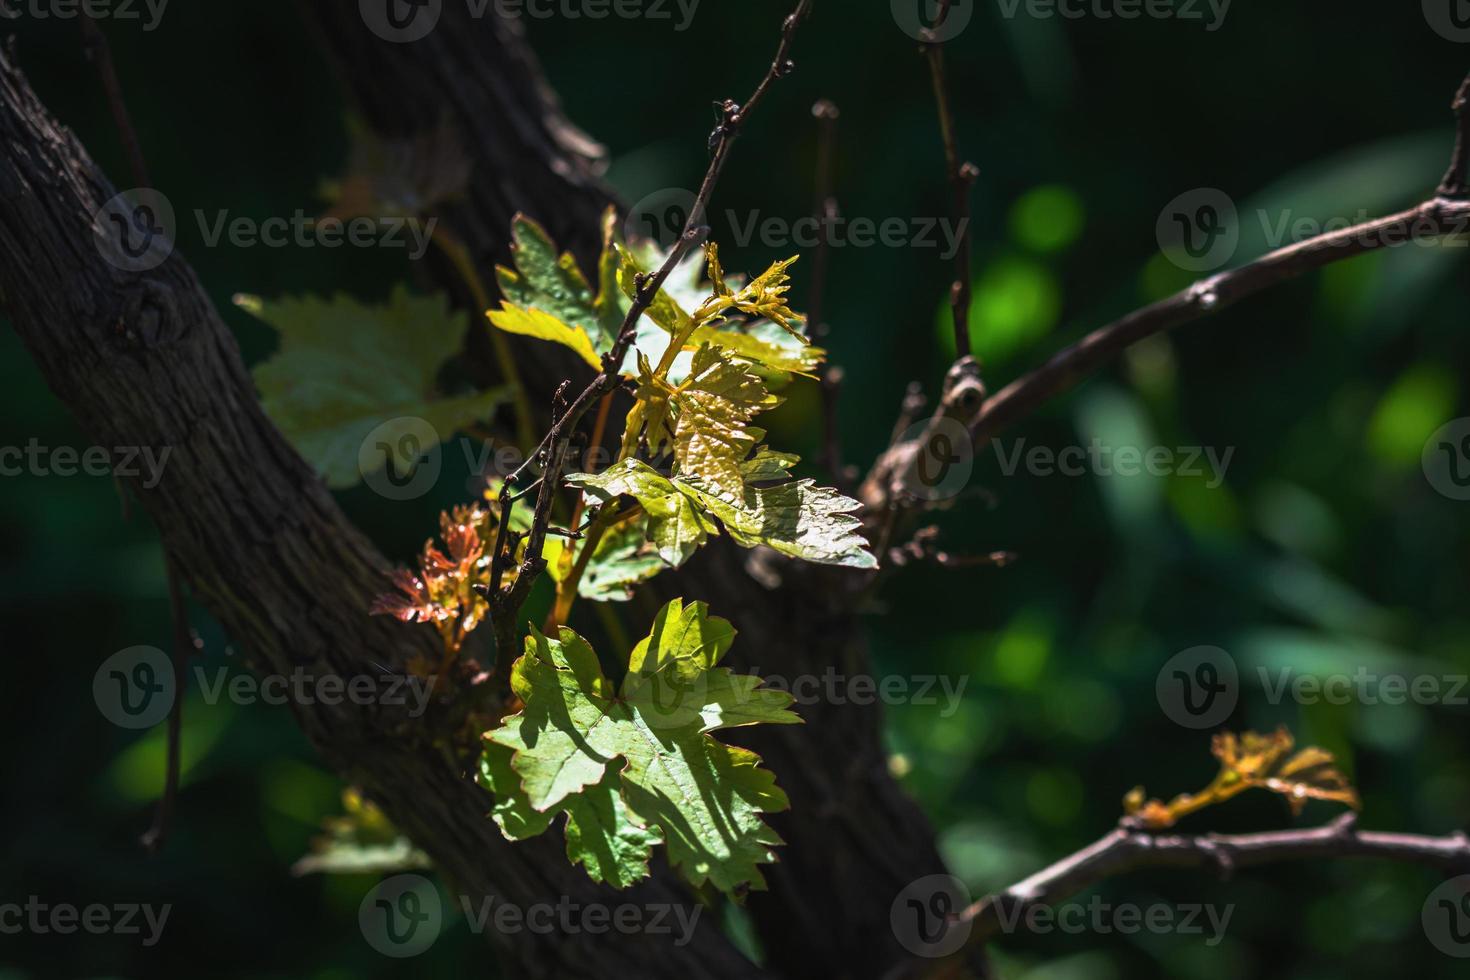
1325, 549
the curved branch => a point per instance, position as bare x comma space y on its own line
1129, 849
1446, 214
1436, 218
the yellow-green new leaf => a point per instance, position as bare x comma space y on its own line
799, 518
547, 297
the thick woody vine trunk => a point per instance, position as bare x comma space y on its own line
144, 360
855, 839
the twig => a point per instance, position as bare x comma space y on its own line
97, 49
1454, 183
183, 647
961, 177
1129, 849
95, 45
506, 604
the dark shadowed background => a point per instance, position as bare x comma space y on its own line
1324, 550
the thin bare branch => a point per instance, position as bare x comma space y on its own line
962, 177
1129, 849
1444, 215
98, 50
184, 646
1433, 220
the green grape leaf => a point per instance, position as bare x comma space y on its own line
637, 763
602, 835
547, 297
798, 518
622, 559
345, 368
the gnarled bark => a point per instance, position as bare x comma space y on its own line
144, 360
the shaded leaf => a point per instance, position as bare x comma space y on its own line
345, 368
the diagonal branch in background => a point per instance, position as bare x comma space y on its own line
1129, 849
1438, 218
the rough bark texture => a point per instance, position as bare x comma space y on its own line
855, 839
144, 360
